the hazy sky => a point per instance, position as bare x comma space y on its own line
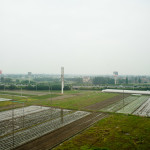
84, 36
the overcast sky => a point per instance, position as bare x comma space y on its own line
84, 36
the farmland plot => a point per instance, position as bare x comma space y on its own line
29, 120
116, 106
19, 112
143, 110
35, 125
130, 108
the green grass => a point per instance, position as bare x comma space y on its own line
30, 100
117, 132
81, 101
43, 97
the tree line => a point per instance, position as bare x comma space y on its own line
34, 87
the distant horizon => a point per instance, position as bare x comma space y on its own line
73, 74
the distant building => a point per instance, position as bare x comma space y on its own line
86, 79
29, 73
115, 73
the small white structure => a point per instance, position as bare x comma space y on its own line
126, 91
86, 79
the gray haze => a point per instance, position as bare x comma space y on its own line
84, 36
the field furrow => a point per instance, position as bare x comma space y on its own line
116, 106
143, 110
131, 107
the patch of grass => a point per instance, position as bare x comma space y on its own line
5, 103
117, 132
14, 98
43, 97
44, 100
30, 100
81, 101
73, 92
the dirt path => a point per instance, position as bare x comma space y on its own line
105, 103
56, 137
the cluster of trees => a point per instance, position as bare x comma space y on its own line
35, 87
109, 80
75, 81
102, 80
47, 87
6, 80
46, 79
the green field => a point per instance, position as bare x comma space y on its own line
77, 100
117, 132
81, 101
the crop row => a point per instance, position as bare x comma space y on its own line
143, 110
29, 120
130, 108
23, 136
118, 105
20, 112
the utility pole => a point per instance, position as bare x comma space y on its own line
62, 80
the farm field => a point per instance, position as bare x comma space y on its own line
34, 125
131, 107
82, 101
116, 132
48, 141
63, 116
143, 110
26, 118
138, 104
70, 99
118, 105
